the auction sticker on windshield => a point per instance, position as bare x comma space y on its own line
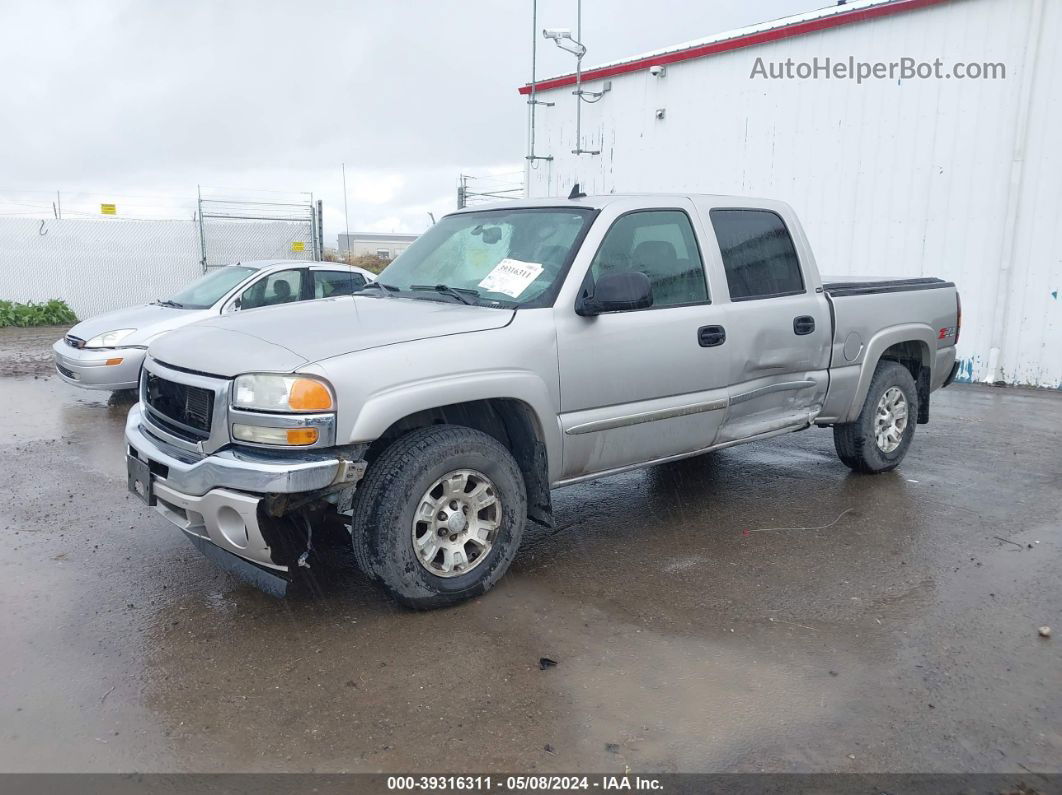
511, 277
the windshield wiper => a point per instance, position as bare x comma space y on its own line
465, 295
168, 302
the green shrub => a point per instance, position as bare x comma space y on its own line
50, 313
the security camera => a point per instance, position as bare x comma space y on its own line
557, 33
658, 70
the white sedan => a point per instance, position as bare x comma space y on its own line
107, 351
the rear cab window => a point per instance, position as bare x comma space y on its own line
758, 254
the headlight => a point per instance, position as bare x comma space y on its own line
109, 339
283, 393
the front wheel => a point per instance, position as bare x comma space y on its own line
879, 438
439, 516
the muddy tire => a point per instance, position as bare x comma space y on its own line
879, 438
439, 516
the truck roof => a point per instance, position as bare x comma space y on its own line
601, 201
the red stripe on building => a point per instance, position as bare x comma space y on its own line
739, 42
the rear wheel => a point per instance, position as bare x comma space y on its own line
439, 516
879, 438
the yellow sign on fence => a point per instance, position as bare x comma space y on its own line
109, 209
298, 245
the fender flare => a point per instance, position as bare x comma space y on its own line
383, 409
879, 343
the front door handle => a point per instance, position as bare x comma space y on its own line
710, 336
805, 324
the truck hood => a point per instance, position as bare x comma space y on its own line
284, 338
147, 319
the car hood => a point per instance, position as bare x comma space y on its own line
283, 338
148, 319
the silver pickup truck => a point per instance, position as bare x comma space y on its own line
516, 349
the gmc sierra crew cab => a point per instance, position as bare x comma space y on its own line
512, 350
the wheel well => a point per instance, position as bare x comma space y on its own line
914, 355
510, 421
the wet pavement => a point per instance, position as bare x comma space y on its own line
689, 635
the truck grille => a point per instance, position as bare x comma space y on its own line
180, 409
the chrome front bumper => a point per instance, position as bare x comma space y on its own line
88, 368
217, 497
244, 470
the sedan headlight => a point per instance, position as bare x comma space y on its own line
282, 393
109, 339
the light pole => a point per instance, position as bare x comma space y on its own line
563, 38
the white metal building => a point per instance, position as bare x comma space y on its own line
958, 177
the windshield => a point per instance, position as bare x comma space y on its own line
207, 290
496, 257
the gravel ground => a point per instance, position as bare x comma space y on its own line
27, 351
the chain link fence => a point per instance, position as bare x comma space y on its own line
236, 241
234, 230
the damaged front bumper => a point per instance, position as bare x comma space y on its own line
233, 499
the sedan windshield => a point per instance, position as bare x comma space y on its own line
493, 258
207, 290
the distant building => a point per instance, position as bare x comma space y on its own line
387, 246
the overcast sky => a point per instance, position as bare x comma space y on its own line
138, 102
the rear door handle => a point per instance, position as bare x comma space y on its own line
710, 336
805, 324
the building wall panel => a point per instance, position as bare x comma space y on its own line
901, 177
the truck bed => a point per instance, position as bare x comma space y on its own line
867, 285
870, 314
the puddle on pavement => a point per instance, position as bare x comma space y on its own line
687, 636
90, 423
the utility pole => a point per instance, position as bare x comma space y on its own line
346, 214
462, 192
58, 206
532, 101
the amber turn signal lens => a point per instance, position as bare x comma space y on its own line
309, 395
302, 436
262, 434
111, 362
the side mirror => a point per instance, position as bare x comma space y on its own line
617, 292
